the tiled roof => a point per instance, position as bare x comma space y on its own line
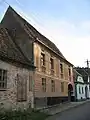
76, 74
8, 48
34, 33
83, 72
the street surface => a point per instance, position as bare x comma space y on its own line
81, 112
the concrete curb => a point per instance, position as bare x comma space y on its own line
70, 107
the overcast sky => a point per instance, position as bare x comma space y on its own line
65, 22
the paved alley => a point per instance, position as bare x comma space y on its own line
79, 113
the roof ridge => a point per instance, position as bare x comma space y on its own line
33, 31
26, 25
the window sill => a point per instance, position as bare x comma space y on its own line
62, 76
52, 72
21, 100
3, 89
43, 68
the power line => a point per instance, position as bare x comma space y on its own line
34, 17
18, 2
1, 1
4, 1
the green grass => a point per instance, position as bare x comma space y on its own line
25, 115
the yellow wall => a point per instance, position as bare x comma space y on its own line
38, 79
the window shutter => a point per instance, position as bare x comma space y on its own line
37, 61
21, 89
24, 90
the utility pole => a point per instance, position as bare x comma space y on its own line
87, 63
88, 74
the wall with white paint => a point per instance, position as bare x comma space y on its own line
80, 88
80, 92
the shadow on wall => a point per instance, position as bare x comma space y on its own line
70, 93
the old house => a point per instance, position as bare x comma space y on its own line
53, 78
16, 74
81, 79
79, 86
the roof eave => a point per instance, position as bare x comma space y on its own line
5, 58
53, 51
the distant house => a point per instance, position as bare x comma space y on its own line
16, 74
53, 81
81, 79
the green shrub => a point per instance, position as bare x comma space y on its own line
22, 115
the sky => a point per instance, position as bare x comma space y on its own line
64, 22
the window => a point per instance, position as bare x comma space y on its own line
21, 88
44, 84
79, 90
52, 85
52, 66
42, 59
82, 90
69, 72
61, 70
62, 86
52, 63
43, 68
30, 83
89, 86
3, 79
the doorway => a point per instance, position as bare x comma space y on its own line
70, 92
86, 92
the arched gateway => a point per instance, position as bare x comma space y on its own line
70, 91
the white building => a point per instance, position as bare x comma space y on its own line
81, 80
